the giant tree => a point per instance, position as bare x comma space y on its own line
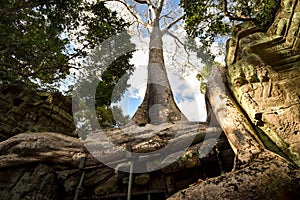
262, 74
158, 105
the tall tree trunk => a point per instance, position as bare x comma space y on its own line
158, 105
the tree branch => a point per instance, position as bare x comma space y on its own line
151, 14
141, 1
172, 24
160, 5
185, 49
148, 2
166, 15
175, 37
236, 18
135, 15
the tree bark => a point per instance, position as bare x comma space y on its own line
158, 105
234, 123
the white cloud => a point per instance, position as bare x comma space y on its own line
138, 80
188, 97
219, 50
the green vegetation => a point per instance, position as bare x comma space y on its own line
210, 20
37, 48
35, 37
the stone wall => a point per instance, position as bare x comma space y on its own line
25, 110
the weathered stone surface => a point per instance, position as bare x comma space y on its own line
142, 179
108, 187
268, 177
31, 183
265, 79
24, 110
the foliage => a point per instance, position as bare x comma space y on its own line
110, 90
36, 37
209, 19
110, 117
37, 40
113, 80
202, 75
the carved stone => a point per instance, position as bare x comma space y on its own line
265, 79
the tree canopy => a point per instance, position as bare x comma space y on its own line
36, 37
210, 19
42, 40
